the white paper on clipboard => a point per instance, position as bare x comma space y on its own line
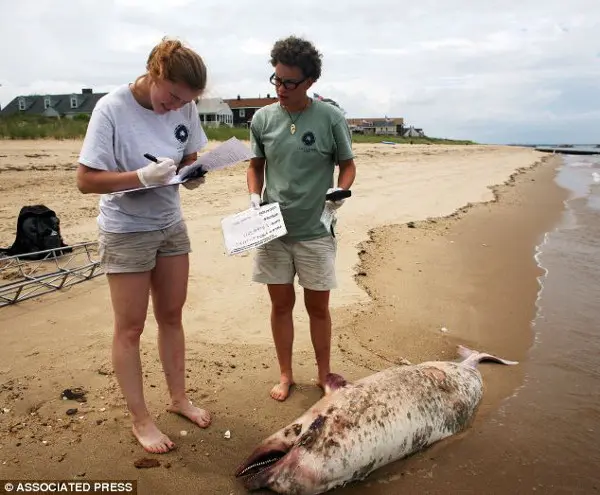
225, 155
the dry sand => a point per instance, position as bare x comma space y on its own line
472, 274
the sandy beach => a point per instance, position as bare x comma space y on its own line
436, 248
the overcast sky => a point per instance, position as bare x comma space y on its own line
492, 71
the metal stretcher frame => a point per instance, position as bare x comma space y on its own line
22, 279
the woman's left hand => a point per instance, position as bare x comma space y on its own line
194, 183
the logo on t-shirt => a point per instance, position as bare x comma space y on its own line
308, 138
181, 133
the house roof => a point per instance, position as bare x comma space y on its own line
249, 102
213, 106
34, 104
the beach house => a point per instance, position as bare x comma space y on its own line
244, 108
214, 112
47, 105
383, 126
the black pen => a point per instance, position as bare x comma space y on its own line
150, 157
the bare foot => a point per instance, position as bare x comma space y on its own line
281, 391
186, 409
151, 438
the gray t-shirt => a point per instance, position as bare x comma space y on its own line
120, 131
300, 166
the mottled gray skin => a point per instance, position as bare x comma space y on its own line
357, 428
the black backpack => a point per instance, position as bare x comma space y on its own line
38, 229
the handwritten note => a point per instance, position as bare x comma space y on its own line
252, 228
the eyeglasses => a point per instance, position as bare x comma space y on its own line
286, 83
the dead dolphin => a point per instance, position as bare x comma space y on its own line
357, 428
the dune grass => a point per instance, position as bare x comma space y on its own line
38, 127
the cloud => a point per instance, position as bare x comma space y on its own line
491, 71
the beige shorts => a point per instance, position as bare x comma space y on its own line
137, 251
278, 261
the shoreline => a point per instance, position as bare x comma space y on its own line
445, 323
228, 341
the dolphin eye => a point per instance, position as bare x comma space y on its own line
318, 422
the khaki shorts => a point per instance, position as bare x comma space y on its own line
278, 261
137, 251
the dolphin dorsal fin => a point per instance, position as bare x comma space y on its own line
334, 382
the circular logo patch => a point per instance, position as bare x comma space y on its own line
181, 133
308, 138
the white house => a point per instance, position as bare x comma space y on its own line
413, 132
214, 112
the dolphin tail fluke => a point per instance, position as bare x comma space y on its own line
472, 358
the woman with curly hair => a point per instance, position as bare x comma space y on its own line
297, 142
143, 239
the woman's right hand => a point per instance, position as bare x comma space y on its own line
155, 174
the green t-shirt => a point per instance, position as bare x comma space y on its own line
299, 167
